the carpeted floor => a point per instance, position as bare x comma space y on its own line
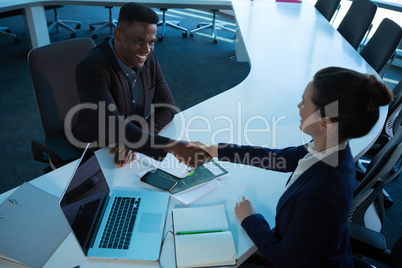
195, 69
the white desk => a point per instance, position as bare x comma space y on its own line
286, 44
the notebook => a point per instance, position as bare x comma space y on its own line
118, 224
202, 237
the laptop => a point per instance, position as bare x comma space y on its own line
118, 224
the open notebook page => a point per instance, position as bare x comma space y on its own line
202, 250
200, 219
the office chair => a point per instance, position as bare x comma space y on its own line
367, 243
391, 123
391, 126
380, 50
5, 31
368, 202
111, 23
173, 24
52, 69
213, 25
395, 108
328, 7
62, 23
357, 21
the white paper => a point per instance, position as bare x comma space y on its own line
169, 164
189, 196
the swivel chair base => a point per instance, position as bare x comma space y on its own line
212, 25
5, 31
173, 24
62, 23
111, 23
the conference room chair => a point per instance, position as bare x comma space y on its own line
368, 200
4, 30
57, 23
391, 125
357, 21
173, 24
380, 50
397, 101
213, 25
328, 7
367, 243
7, 32
111, 23
52, 69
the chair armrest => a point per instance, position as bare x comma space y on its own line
367, 237
40, 151
55, 150
368, 243
59, 146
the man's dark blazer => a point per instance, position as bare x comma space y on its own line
311, 216
101, 82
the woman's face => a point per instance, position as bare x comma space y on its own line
310, 119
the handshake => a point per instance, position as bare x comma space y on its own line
193, 154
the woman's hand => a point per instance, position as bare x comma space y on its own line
244, 208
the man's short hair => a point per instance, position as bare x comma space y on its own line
131, 12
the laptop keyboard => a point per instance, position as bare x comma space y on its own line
120, 223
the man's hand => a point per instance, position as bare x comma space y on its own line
189, 155
212, 150
243, 209
122, 156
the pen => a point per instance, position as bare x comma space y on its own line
191, 172
198, 232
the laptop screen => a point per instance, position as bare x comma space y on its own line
84, 198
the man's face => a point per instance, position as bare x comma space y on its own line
134, 42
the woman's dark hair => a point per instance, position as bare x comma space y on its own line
131, 12
356, 98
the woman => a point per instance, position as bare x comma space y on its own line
311, 216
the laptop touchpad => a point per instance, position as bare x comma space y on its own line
150, 223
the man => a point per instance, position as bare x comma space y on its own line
122, 77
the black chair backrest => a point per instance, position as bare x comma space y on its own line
52, 69
397, 91
394, 117
357, 21
382, 44
327, 7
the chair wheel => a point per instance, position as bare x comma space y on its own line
91, 27
184, 35
160, 39
78, 26
215, 41
17, 40
94, 36
73, 35
191, 36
